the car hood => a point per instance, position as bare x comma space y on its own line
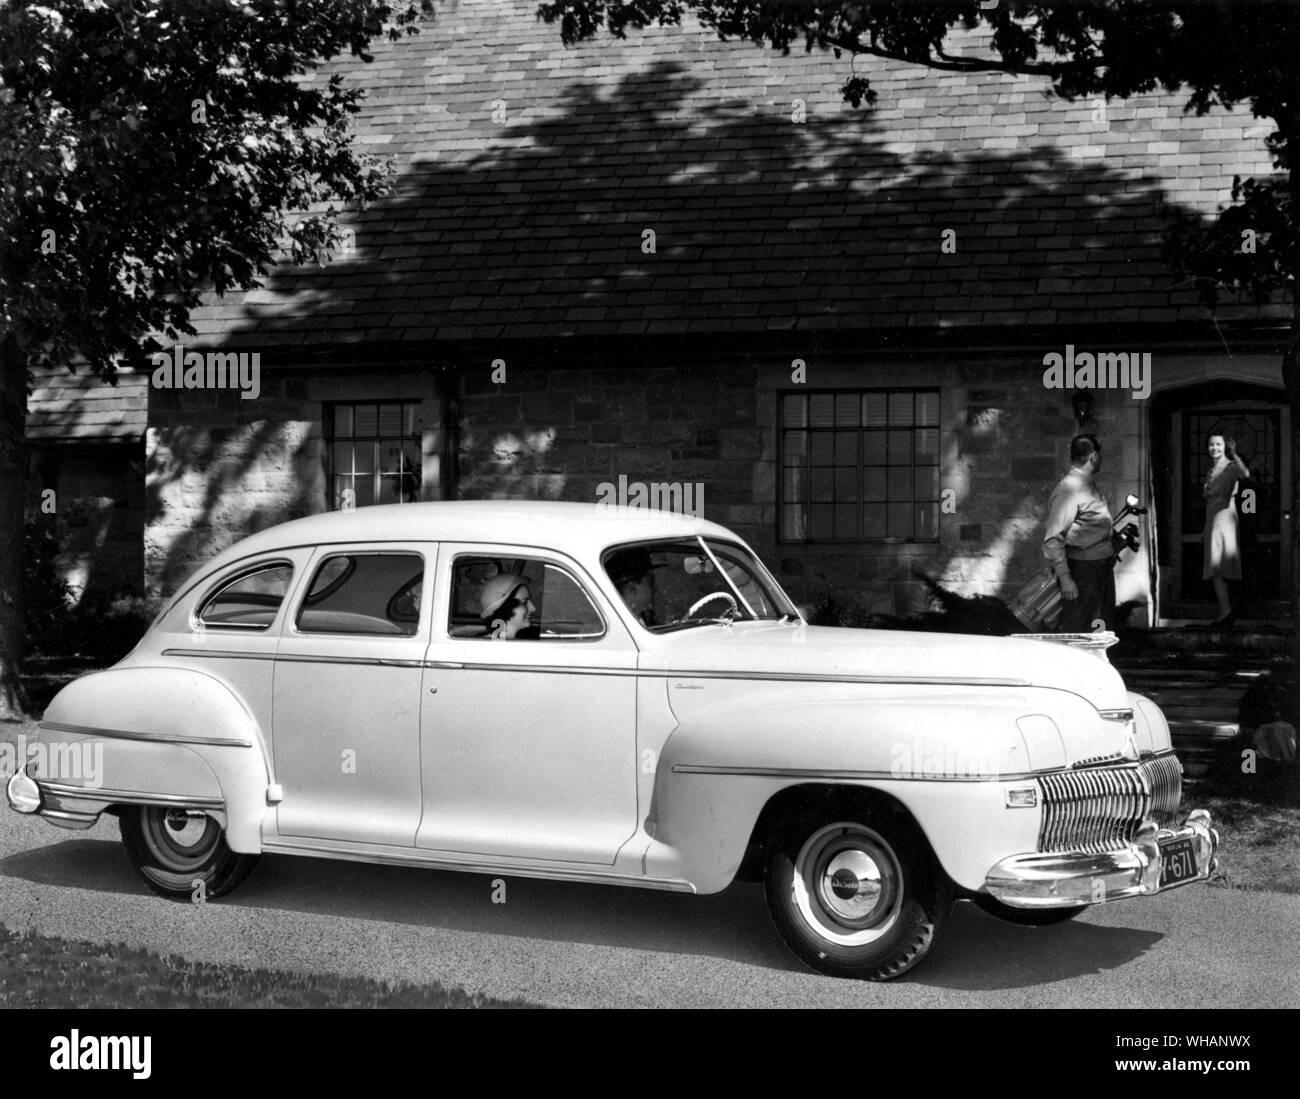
774, 650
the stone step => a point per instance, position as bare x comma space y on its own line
1191, 639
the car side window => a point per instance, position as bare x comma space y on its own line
564, 611
249, 601
364, 593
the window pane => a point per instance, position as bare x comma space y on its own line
900, 448
565, 611
873, 409
927, 408
365, 593
846, 483
342, 421
343, 458
796, 447
792, 523
412, 472
823, 484
390, 420
344, 494
900, 409
873, 483
873, 520
821, 410
927, 520
846, 410
364, 487
846, 448
900, 520
795, 411
927, 483
900, 483
249, 602
873, 443
927, 444
822, 519
846, 520
822, 448
796, 485
363, 458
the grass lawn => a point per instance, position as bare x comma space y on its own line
39, 971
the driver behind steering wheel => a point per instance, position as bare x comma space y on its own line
633, 574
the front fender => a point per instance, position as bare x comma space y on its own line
165, 735
946, 761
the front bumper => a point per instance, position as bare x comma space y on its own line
1069, 880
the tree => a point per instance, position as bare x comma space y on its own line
150, 150
1220, 53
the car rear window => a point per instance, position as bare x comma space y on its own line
364, 593
249, 601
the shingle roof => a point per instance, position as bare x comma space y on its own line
534, 226
67, 407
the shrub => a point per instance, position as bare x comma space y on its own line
46, 595
948, 613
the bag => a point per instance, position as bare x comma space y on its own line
1037, 605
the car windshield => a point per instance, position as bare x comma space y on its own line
681, 582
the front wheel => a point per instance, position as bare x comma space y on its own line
854, 900
181, 853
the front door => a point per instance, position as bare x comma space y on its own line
1262, 518
346, 716
529, 743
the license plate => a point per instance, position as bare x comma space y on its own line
1177, 862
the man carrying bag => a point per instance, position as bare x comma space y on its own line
1077, 542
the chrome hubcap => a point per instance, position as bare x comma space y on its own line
848, 884
185, 827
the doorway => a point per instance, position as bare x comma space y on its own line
1182, 421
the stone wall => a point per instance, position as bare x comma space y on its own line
219, 467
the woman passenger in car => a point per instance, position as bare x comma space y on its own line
506, 608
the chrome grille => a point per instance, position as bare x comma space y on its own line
1095, 809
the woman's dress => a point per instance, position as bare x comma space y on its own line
1222, 556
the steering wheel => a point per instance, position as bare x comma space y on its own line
735, 610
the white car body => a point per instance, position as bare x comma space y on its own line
665, 759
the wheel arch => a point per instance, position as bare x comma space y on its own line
812, 801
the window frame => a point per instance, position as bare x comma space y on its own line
327, 552
198, 623
544, 558
328, 412
859, 538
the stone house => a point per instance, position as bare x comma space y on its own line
677, 260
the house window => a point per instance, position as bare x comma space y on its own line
373, 452
860, 465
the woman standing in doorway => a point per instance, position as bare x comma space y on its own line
1222, 552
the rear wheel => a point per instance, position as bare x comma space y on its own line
856, 900
181, 853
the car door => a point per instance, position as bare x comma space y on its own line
529, 746
346, 714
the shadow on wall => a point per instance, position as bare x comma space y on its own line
760, 225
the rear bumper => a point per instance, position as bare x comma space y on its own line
1069, 880
26, 796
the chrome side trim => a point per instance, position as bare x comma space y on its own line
133, 797
229, 654
162, 738
674, 885
842, 776
648, 673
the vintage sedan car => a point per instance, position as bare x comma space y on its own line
600, 694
